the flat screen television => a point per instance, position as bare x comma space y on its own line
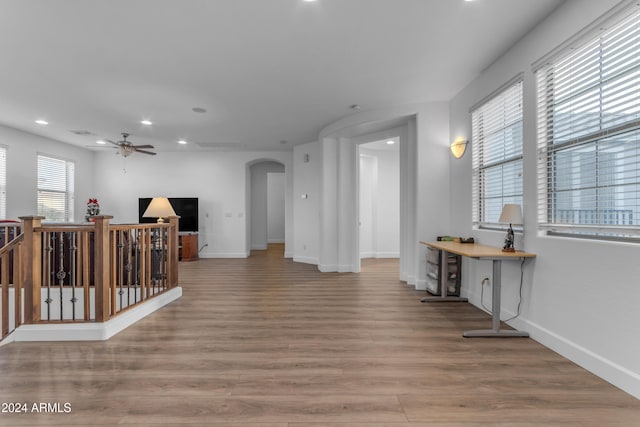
185, 207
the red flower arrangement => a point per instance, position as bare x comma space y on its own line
93, 209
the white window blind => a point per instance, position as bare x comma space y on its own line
3, 182
497, 155
55, 189
589, 135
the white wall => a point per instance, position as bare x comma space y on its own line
307, 164
218, 179
580, 296
22, 151
367, 207
423, 131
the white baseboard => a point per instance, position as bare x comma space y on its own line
304, 259
327, 268
225, 255
379, 255
91, 331
259, 247
606, 369
421, 285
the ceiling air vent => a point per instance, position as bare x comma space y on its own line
82, 132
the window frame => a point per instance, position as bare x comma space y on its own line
610, 175
515, 156
69, 188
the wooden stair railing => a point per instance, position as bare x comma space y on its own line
10, 278
89, 272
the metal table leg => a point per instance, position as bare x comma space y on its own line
495, 330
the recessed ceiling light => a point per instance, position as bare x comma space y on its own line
146, 122
308, 1
101, 142
355, 107
42, 122
182, 141
391, 142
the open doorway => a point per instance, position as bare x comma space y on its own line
379, 199
267, 205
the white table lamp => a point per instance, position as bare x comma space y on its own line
160, 208
511, 214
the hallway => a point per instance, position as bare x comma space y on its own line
265, 341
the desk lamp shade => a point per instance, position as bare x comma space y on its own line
160, 208
511, 214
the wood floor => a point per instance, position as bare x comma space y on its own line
268, 342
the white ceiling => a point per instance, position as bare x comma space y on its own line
266, 71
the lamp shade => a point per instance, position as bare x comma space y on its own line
160, 207
458, 147
512, 214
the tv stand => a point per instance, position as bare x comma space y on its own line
188, 247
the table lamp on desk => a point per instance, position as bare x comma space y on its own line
511, 214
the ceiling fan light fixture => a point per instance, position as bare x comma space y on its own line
126, 150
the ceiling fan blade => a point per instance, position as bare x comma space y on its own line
143, 146
112, 142
145, 152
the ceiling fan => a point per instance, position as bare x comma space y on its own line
126, 148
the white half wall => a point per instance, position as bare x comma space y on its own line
580, 297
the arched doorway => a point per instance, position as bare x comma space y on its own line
266, 204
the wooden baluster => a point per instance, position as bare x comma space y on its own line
17, 284
86, 282
102, 267
32, 271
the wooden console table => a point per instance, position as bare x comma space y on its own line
496, 255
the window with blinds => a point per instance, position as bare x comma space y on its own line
55, 189
3, 182
497, 155
589, 135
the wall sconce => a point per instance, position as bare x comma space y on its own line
458, 147
160, 208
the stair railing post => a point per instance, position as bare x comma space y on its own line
32, 267
172, 252
102, 268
